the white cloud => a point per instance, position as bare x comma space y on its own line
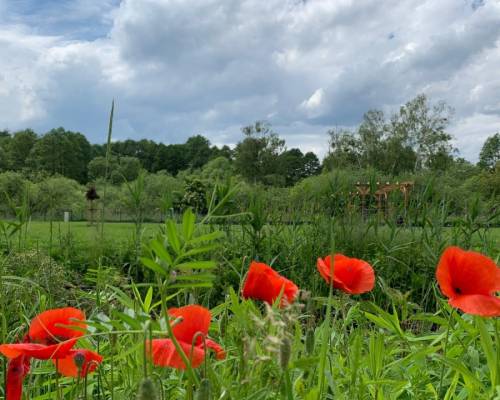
178, 68
314, 105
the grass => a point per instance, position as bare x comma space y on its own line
122, 232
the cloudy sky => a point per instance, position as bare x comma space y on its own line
183, 67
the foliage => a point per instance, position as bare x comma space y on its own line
490, 153
61, 152
123, 169
412, 140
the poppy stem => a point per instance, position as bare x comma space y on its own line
193, 380
57, 381
444, 353
497, 337
325, 337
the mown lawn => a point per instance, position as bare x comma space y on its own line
81, 231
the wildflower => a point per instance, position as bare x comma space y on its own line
51, 335
351, 275
191, 324
264, 283
79, 362
469, 280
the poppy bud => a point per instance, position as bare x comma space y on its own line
310, 341
204, 391
285, 352
79, 360
147, 390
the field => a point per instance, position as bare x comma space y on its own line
39, 231
396, 339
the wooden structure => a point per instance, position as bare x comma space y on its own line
381, 194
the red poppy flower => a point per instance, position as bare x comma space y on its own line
469, 280
264, 283
189, 322
164, 354
85, 361
17, 369
53, 326
351, 275
38, 351
192, 320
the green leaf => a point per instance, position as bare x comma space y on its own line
489, 350
148, 299
198, 277
161, 251
189, 265
173, 238
190, 285
207, 237
152, 265
199, 250
188, 224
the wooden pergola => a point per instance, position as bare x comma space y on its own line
381, 194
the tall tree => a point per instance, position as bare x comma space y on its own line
257, 155
198, 151
490, 153
20, 147
372, 132
345, 149
171, 158
61, 152
423, 128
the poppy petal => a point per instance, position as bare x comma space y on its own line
461, 272
17, 369
220, 354
477, 304
323, 266
264, 283
351, 275
38, 351
164, 354
194, 319
88, 363
46, 327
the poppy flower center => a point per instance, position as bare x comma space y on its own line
458, 290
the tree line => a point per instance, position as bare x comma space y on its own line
413, 139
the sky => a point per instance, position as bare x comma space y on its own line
177, 68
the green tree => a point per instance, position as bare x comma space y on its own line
490, 153
121, 169
20, 147
57, 194
295, 166
218, 169
311, 165
257, 156
225, 151
171, 158
345, 149
145, 150
198, 151
371, 133
422, 127
4, 144
61, 152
